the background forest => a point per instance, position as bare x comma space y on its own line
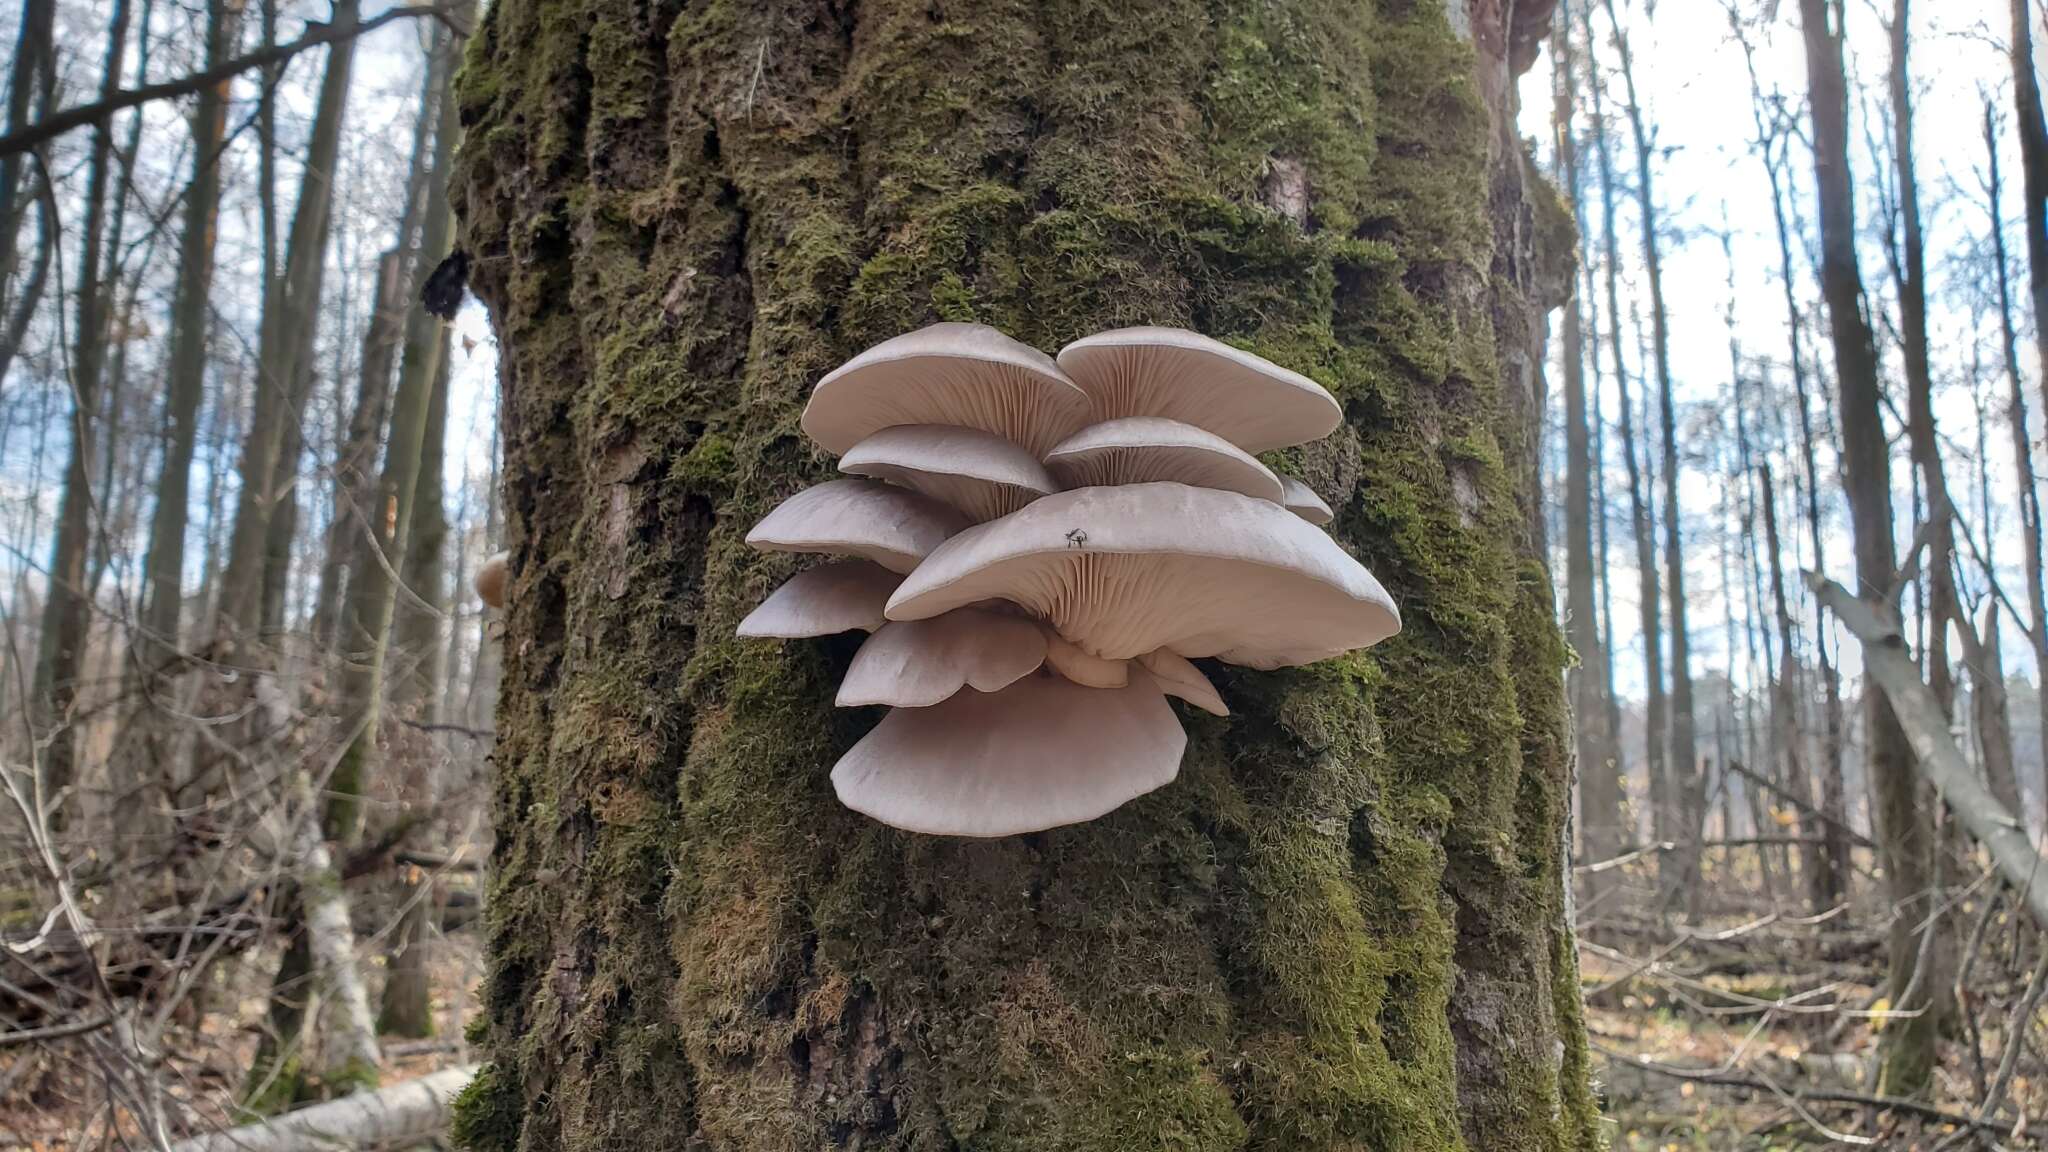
248, 475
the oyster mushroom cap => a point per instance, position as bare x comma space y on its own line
1178, 677
1125, 570
893, 527
491, 578
1141, 449
1171, 372
919, 663
837, 596
977, 473
1038, 754
966, 375
1302, 500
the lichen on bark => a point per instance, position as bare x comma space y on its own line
1342, 927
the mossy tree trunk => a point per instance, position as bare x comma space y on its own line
1345, 925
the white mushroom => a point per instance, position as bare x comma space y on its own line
1082, 668
967, 375
838, 596
1249, 401
1038, 754
891, 526
1125, 570
1139, 449
976, 472
490, 579
1180, 678
918, 663
1302, 500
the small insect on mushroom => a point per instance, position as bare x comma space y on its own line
1077, 538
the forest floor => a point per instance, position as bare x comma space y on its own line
52, 1096
1691, 1059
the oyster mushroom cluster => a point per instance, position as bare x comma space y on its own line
1040, 548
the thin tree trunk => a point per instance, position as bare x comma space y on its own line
1366, 944
380, 554
1832, 799
1688, 775
1663, 800
287, 350
355, 469
416, 630
1599, 770
2027, 496
2033, 132
163, 567
1905, 833
67, 620
30, 78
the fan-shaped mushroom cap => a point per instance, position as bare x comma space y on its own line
1138, 449
968, 375
1122, 571
1179, 678
1082, 668
918, 663
976, 472
838, 596
490, 579
1246, 399
1038, 754
1302, 500
891, 526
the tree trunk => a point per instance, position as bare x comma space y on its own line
417, 630
2033, 129
355, 471
1599, 770
1663, 802
287, 348
1833, 865
2028, 498
1687, 773
31, 76
1991, 714
1905, 832
163, 568
1344, 926
380, 553
67, 623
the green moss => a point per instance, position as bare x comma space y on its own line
680, 228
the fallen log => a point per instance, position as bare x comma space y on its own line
1935, 754
395, 1117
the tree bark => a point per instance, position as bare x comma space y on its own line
1344, 925
1905, 833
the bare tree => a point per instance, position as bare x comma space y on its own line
1599, 773
1905, 830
